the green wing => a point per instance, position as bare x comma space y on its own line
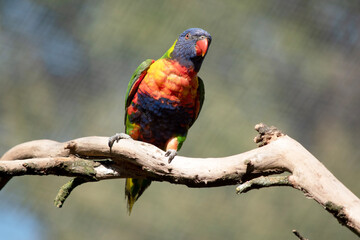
200, 99
135, 81
201, 91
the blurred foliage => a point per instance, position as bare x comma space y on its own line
64, 68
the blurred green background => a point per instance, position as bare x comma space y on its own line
64, 69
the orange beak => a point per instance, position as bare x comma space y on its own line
201, 47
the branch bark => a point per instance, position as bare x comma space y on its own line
89, 159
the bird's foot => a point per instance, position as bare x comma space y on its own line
171, 153
116, 138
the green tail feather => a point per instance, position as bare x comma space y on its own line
133, 190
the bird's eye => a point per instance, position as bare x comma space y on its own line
187, 36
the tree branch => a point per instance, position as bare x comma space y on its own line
299, 235
262, 181
89, 159
65, 190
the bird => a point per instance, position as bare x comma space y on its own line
163, 99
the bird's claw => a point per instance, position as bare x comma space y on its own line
116, 138
171, 153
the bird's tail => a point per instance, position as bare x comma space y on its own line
133, 190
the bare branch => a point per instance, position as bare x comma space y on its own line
90, 159
65, 190
261, 182
299, 235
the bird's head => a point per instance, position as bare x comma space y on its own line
191, 48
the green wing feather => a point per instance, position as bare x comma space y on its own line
135, 81
201, 91
201, 98
134, 188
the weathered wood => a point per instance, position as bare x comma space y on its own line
90, 159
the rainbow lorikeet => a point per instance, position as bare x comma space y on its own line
163, 100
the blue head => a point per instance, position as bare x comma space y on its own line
191, 47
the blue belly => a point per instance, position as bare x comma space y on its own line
160, 120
